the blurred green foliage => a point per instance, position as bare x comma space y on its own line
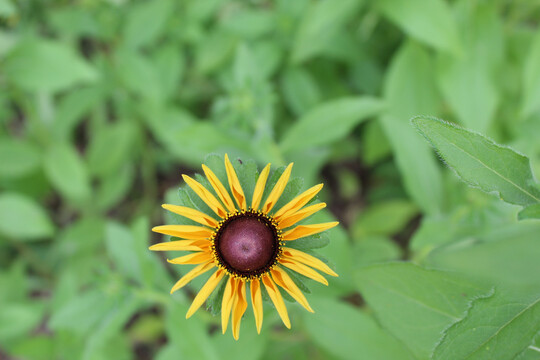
103, 103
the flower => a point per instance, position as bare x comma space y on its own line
247, 245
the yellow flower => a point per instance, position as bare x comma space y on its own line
247, 245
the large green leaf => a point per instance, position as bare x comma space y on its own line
481, 163
383, 218
121, 249
428, 21
111, 147
531, 79
189, 336
415, 304
530, 212
505, 255
71, 109
349, 333
44, 65
18, 158
250, 345
189, 139
319, 26
300, 90
329, 122
23, 219
17, 320
409, 90
67, 172
146, 21
497, 327
468, 81
139, 75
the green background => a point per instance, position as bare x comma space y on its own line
104, 103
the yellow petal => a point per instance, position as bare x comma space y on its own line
276, 298
205, 291
189, 232
192, 214
219, 188
240, 307
196, 271
256, 302
290, 219
305, 230
226, 304
234, 184
181, 245
281, 278
308, 260
277, 190
303, 269
206, 196
259, 188
195, 258
295, 204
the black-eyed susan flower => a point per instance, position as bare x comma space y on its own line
246, 244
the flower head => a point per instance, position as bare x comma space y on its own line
245, 245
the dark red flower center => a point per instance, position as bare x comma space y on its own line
247, 244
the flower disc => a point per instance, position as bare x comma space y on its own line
247, 244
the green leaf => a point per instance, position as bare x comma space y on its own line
500, 326
316, 241
80, 238
7, 9
189, 336
189, 139
531, 352
114, 188
44, 65
121, 249
349, 333
170, 64
146, 21
18, 158
66, 171
110, 325
18, 320
383, 218
531, 79
213, 50
23, 219
249, 24
139, 75
409, 90
329, 122
530, 212
154, 274
300, 90
374, 143
74, 314
506, 255
430, 22
111, 147
468, 81
72, 108
414, 304
480, 162
375, 249
319, 26
250, 345
36, 347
